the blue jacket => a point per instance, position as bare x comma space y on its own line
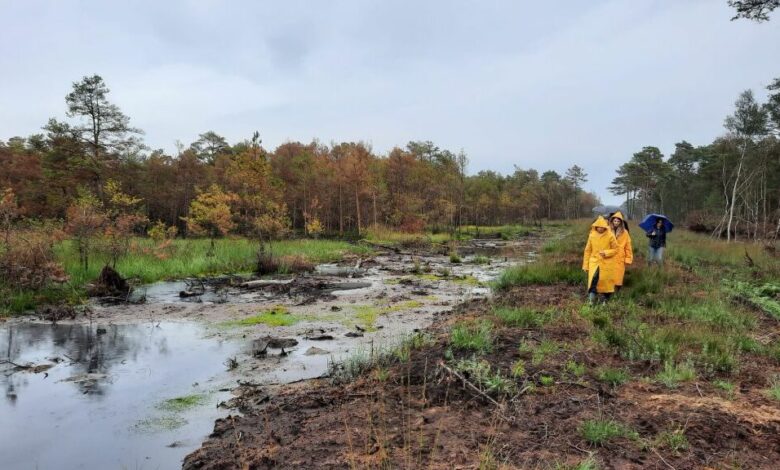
659, 239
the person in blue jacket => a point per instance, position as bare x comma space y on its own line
657, 238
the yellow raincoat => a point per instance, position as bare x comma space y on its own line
625, 253
599, 255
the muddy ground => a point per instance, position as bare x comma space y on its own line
421, 414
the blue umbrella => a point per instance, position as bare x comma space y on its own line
648, 223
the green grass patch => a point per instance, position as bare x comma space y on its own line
613, 377
522, 317
599, 432
184, 403
765, 297
774, 388
187, 257
575, 368
672, 374
367, 315
727, 387
673, 440
539, 273
473, 336
277, 316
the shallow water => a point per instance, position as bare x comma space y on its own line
100, 405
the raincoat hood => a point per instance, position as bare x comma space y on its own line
619, 215
600, 222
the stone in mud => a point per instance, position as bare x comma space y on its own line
313, 351
260, 346
319, 338
353, 334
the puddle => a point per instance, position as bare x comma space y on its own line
102, 404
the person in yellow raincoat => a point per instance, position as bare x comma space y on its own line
599, 262
625, 253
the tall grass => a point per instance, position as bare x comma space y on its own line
543, 272
183, 258
188, 257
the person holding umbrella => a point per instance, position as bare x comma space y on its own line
625, 252
656, 227
598, 261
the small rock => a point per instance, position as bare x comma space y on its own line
319, 338
353, 334
335, 308
312, 351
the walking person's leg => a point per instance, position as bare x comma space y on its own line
592, 293
660, 255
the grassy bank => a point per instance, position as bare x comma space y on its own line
183, 258
387, 236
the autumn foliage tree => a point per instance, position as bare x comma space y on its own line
123, 220
85, 219
211, 215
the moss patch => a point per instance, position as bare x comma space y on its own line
183, 403
277, 316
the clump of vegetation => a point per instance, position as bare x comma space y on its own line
587, 464
539, 273
522, 317
575, 368
774, 387
765, 297
455, 258
599, 431
538, 353
672, 374
727, 387
546, 380
473, 336
481, 373
480, 259
673, 440
518, 368
613, 377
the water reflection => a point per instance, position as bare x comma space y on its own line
89, 349
98, 406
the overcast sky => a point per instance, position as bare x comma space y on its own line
535, 84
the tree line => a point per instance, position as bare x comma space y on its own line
307, 187
730, 187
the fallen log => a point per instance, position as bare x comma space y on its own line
257, 283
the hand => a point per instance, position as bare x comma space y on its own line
603, 254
